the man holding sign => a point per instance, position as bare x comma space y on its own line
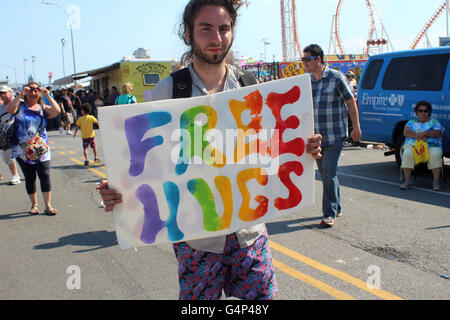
239, 263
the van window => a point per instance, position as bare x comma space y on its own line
371, 75
419, 73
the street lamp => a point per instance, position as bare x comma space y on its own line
71, 31
33, 59
63, 42
266, 43
25, 81
15, 72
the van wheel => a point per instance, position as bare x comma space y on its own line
398, 149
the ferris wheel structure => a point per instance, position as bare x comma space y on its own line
377, 38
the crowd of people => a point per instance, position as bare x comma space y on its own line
70, 103
33, 110
267, 78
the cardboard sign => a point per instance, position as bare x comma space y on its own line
211, 165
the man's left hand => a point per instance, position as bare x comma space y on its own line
356, 134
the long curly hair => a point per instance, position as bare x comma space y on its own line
190, 14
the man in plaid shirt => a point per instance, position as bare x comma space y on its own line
331, 97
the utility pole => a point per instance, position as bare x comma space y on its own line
448, 13
63, 43
266, 43
25, 80
69, 22
33, 59
15, 72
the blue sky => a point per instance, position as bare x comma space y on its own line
107, 30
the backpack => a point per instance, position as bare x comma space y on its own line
182, 82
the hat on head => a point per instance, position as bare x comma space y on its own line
350, 73
5, 88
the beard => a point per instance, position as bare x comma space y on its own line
210, 59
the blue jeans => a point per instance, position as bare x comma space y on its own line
331, 201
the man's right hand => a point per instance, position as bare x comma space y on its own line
109, 196
313, 146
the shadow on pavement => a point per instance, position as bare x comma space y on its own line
384, 178
437, 228
70, 166
281, 227
96, 239
15, 215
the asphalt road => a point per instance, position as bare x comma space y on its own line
395, 241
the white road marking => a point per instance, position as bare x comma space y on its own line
390, 183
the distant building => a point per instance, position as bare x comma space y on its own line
144, 74
444, 41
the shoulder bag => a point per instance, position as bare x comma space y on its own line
6, 133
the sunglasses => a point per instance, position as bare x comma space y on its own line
308, 59
422, 110
35, 89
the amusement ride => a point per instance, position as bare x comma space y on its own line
377, 40
429, 23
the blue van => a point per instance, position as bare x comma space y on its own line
390, 86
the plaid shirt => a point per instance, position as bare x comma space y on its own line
330, 110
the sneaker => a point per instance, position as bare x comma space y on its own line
328, 221
69, 132
339, 214
436, 186
86, 162
406, 186
96, 159
61, 130
15, 180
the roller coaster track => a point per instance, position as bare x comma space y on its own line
428, 25
294, 21
289, 36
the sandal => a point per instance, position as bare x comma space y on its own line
34, 210
51, 212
